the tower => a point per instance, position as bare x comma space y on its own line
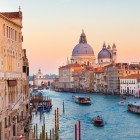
114, 54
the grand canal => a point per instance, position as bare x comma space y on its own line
119, 123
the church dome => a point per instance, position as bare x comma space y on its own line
104, 53
82, 48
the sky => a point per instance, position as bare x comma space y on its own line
51, 29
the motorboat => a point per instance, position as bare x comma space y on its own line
82, 100
134, 107
121, 102
98, 121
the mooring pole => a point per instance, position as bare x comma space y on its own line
75, 131
63, 107
79, 126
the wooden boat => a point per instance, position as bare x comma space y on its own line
98, 121
82, 100
134, 107
122, 103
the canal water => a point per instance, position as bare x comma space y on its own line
119, 123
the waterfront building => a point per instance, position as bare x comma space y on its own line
69, 77
39, 80
138, 88
130, 85
14, 71
83, 53
86, 81
114, 72
100, 84
107, 55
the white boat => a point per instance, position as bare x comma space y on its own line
134, 107
82, 100
122, 103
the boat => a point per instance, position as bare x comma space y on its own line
134, 107
121, 102
98, 121
82, 100
44, 108
73, 97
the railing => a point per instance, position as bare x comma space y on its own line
12, 75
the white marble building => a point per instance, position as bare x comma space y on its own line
129, 84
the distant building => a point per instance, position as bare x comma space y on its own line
14, 72
138, 88
69, 77
100, 84
130, 85
39, 80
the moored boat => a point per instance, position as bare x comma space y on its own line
121, 102
82, 100
44, 108
134, 107
98, 121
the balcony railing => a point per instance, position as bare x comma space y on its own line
12, 75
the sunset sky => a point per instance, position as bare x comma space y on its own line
51, 29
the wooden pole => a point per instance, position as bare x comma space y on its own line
63, 107
50, 135
46, 136
58, 118
79, 125
55, 121
36, 131
75, 131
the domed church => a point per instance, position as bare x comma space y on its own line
83, 53
107, 55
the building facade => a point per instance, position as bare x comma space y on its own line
14, 71
69, 77
40, 81
129, 85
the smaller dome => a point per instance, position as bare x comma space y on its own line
104, 53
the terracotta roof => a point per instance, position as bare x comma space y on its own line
132, 76
71, 65
99, 70
12, 14
78, 70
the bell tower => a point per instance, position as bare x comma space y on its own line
114, 54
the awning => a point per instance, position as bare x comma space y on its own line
12, 83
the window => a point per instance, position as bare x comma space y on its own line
15, 35
19, 37
7, 31
4, 29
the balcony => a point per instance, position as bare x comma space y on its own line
11, 75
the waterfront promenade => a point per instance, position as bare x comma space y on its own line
119, 123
